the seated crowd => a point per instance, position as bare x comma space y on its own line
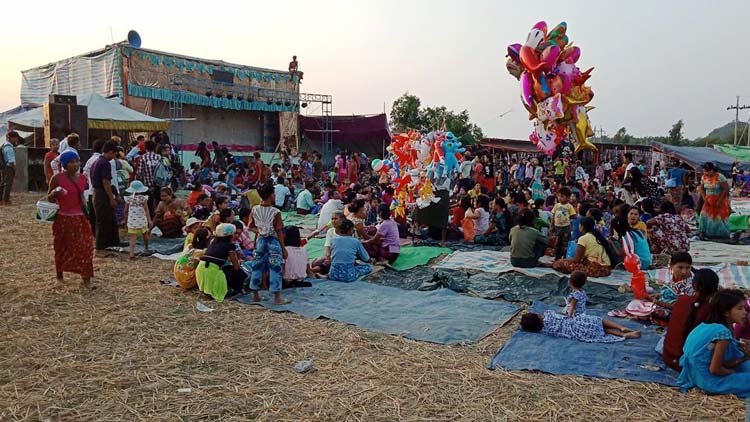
236, 241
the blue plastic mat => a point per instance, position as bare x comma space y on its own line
441, 316
633, 360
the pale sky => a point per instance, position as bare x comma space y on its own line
655, 61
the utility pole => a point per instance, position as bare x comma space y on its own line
736, 109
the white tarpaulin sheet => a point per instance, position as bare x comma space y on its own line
97, 72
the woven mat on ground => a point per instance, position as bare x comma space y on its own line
442, 316
167, 249
456, 245
707, 253
497, 262
633, 359
511, 286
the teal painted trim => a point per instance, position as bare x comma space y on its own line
202, 100
190, 65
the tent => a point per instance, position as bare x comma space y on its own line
6, 115
739, 153
103, 113
695, 157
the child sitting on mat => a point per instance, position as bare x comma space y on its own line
296, 267
575, 302
583, 327
345, 250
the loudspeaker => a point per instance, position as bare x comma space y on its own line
63, 99
62, 119
223, 77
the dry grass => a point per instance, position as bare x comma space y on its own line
122, 352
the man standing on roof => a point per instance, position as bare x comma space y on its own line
8, 166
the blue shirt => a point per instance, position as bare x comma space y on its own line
345, 249
9, 154
677, 174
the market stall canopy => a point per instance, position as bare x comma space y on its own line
103, 113
739, 153
695, 157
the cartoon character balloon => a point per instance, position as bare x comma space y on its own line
553, 88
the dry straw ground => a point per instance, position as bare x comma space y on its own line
123, 351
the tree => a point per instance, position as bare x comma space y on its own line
622, 137
405, 113
675, 134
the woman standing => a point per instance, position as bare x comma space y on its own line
714, 191
73, 242
204, 155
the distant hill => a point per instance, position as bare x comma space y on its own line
726, 132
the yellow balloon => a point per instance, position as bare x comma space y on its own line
582, 129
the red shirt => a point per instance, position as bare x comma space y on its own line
48, 157
458, 215
192, 199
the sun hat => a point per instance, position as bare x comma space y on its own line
224, 230
67, 157
190, 222
136, 186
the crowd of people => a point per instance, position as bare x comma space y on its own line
236, 241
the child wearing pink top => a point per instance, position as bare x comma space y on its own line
385, 245
296, 265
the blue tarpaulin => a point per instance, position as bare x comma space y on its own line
695, 157
633, 359
441, 316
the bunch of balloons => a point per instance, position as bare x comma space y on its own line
553, 88
415, 162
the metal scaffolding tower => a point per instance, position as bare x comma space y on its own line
175, 116
327, 107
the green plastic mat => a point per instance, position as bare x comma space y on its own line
315, 248
414, 256
291, 218
737, 223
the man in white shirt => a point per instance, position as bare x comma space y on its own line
333, 205
465, 170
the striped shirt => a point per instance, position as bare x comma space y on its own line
263, 218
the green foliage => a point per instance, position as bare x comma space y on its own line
675, 134
621, 137
407, 113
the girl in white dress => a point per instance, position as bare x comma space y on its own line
136, 214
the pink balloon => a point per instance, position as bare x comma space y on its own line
570, 55
527, 88
514, 51
549, 57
